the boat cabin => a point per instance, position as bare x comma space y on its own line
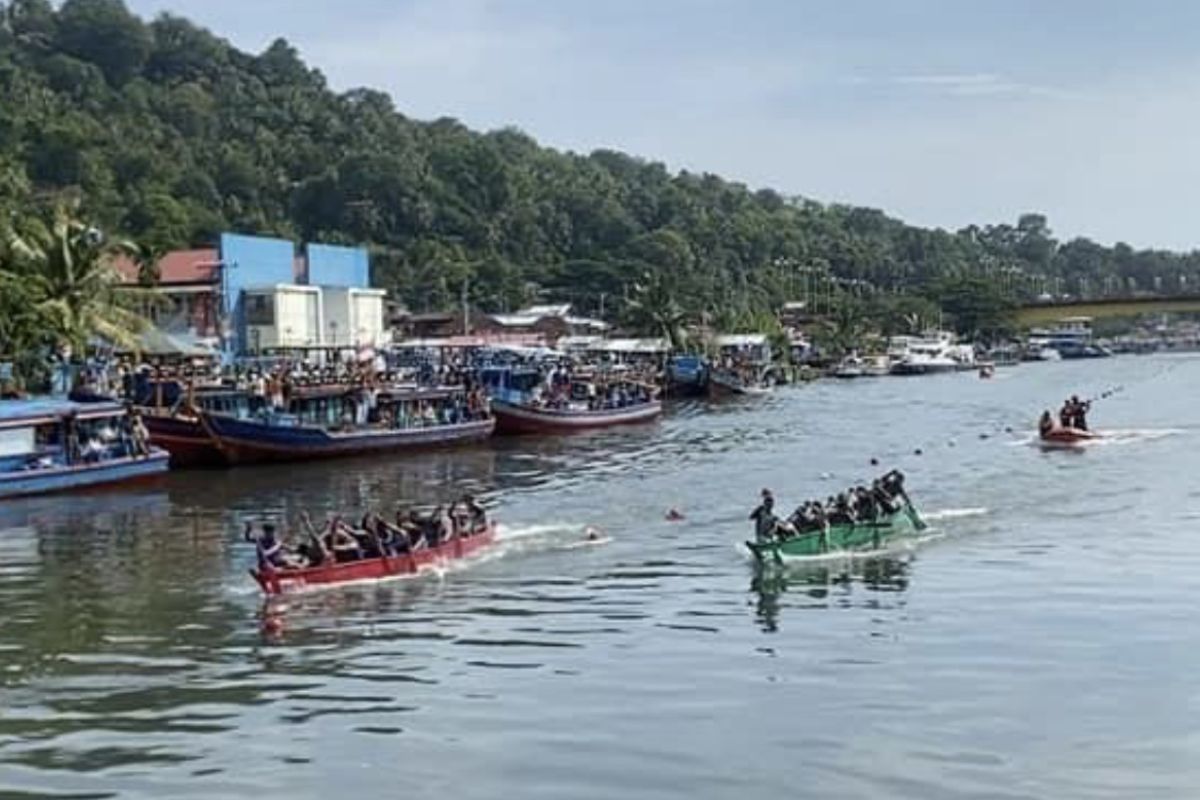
49, 434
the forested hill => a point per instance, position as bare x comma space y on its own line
170, 135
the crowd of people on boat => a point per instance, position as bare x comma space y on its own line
1072, 415
856, 505
563, 387
339, 542
91, 441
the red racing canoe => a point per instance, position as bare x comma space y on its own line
282, 581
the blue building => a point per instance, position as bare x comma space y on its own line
276, 300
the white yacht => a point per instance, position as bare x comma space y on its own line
935, 351
855, 366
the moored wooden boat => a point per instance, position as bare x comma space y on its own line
248, 441
724, 382
183, 436
281, 581
841, 537
330, 423
54, 445
687, 376
512, 418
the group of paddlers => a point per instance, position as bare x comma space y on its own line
339, 542
1073, 414
857, 505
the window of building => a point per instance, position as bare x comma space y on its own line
260, 310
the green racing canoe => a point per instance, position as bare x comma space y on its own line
841, 537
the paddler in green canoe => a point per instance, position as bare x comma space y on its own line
764, 518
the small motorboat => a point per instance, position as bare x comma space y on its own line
283, 581
1067, 437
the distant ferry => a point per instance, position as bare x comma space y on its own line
54, 445
1070, 338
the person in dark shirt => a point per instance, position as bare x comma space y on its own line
764, 517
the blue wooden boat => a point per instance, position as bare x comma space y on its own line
687, 376
322, 424
54, 445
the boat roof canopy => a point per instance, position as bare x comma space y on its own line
42, 410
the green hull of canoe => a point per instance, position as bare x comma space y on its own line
841, 538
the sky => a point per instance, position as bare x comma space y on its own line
940, 112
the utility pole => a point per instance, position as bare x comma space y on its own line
466, 310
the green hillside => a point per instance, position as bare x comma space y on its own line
169, 135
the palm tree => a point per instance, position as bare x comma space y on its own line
652, 308
67, 269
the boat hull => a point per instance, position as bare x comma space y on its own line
276, 582
921, 368
1067, 437
687, 378
516, 419
840, 538
185, 439
250, 441
725, 386
83, 476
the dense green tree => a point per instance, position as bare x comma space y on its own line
104, 33
977, 307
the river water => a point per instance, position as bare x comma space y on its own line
1041, 642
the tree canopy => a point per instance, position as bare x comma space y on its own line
169, 135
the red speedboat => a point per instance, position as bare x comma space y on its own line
1067, 437
281, 581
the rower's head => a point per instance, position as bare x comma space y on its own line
269, 530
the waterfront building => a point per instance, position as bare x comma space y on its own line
258, 295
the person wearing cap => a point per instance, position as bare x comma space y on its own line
764, 517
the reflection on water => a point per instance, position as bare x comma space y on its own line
137, 658
827, 583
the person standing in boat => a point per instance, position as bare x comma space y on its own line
138, 433
764, 517
1066, 414
1079, 415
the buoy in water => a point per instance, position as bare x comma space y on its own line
918, 452
874, 462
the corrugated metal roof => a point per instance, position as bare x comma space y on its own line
180, 266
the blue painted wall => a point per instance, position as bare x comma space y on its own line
329, 265
251, 261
